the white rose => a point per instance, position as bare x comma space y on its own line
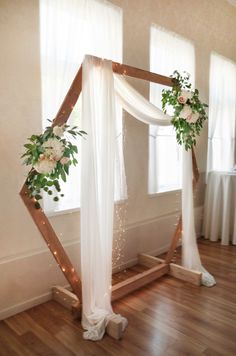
54, 148
184, 96
186, 112
194, 117
58, 131
64, 160
45, 166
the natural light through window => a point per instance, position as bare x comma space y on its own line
222, 114
168, 52
68, 31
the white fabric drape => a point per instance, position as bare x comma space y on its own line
190, 255
137, 105
98, 189
222, 114
146, 112
168, 52
69, 30
97, 195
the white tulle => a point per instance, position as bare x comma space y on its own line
190, 254
222, 111
97, 189
139, 107
97, 195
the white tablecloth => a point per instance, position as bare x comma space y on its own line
220, 207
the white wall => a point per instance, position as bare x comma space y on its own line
26, 267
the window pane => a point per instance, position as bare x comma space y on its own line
69, 30
222, 105
168, 52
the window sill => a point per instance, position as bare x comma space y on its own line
51, 214
165, 192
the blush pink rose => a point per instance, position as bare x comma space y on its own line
64, 160
186, 113
181, 100
192, 118
184, 96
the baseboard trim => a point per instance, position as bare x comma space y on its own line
20, 307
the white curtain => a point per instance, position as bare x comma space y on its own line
168, 52
222, 114
68, 31
97, 188
97, 195
190, 255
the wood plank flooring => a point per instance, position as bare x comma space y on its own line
168, 317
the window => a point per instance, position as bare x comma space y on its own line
168, 52
69, 30
222, 114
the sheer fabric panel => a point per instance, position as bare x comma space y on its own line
68, 31
190, 254
97, 195
168, 52
222, 114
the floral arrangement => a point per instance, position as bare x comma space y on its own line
50, 155
189, 112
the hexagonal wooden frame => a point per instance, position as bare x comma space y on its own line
157, 267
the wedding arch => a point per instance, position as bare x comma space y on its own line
103, 83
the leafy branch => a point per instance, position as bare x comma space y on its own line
188, 111
50, 154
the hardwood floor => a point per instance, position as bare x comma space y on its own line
168, 317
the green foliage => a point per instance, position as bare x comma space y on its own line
180, 97
48, 180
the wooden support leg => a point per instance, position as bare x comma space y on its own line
115, 328
176, 271
65, 297
178, 230
174, 242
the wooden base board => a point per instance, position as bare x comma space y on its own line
131, 284
174, 270
156, 268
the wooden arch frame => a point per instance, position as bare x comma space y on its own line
157, 267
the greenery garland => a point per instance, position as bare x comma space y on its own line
189, 112
50, 154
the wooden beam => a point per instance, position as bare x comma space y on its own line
149, 261
176, 271
196, 173
64, 297
52, 241
185, 274
141, 74
131, 284
174, 241
178, 230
